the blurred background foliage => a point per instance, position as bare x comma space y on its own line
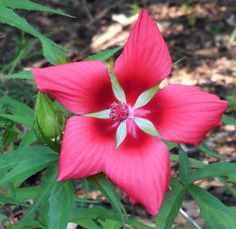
201, 36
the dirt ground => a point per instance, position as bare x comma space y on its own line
201, 33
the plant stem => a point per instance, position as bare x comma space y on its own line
190, 220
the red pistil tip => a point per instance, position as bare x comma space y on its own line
119, 111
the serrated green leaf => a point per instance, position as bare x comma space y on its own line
228, 120
12, 159
146, 126
29, 5
215, 213
51, 51
171, 205
16, 111
209, 151
28, 166
105, 186
61, 205
117, 89
213, 170
145, 97
99, 114
121, 133
104, 55
24, 75
184, 166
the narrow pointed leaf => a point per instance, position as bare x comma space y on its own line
104, 55
29, 5
24, 75
105, 186
184, 166
61, 205
51, 51
29, 166
121, 133
117, 89
213, 170
48, 182
99, 114
171, 205
209, 151
16, 111
146, 126
145, 97
214, 212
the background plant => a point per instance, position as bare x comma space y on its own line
27, 154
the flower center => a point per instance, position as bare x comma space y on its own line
119, 111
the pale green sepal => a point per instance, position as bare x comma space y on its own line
145, 97
99, 114
117, 89
146, 126
121, 133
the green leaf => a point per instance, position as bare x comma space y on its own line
16, 111
22, 194
194, 163
105, 186
121, 133
184, 166
209, 151
228, 120
170, 145
99, 114
215, 213
171, 205
145, 97
110, 224
51, 51
102, 213
146, 126
28, 138
88, 224
48, 181
25, 75
61, 204
29, 224
29, 5
28, 166
9, 17
104, 55
117, 89
213, 170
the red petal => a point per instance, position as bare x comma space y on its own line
185, 114
145, 60
141, 167
86, 143
81, 87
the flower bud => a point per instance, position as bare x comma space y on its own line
48, 119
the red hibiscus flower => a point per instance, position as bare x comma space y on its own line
140, 165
